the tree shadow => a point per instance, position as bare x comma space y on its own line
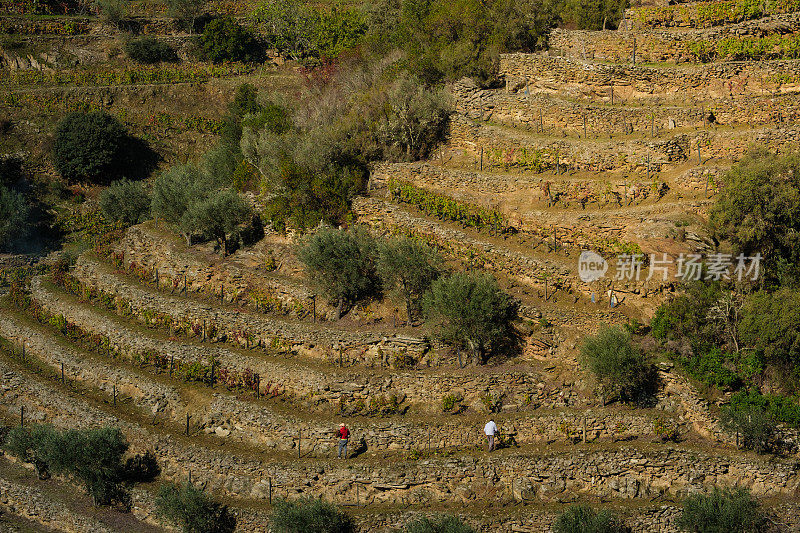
138, 160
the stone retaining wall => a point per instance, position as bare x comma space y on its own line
619, 473
542, 73
534, 111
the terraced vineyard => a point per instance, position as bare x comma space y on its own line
236, 376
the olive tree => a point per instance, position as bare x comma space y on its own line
125, 201
216, 216
342, 263
410, 267
192, 510
471, 311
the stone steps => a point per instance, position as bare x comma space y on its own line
147, 249
613, 471
319, 341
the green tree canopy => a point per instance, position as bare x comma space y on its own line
594, 14
771, 324
91, 456
410, 267
89, 146
14, 213
758, 210
223, 39
471, 311
192, 510
619, 365
125, 201
216, 216
342, 263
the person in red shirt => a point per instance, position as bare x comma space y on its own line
344, 436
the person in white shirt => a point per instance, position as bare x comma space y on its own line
490, 429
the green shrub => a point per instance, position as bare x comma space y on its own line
771, 325
309, 515
472, 312
784, 409
753, 426
174, 190
92, 457
300, 31
722, 511
125, 201
89, 146
594, 15
342, 263
149, 50
438, 524
619, 366
112, 11
584, 519
710, 368
449, 39
193, 511
216, 216
225, 40
758, 211
14, 211
186, 11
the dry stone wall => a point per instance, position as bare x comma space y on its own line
559, 75
658, 45
621, 473
552, 114
143, 252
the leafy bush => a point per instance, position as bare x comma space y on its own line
89, 146
111, 11
471, 311
722, 511
439, 524
309, 516
302, 32
771, 324
225, 40
449, 39
342, 262
193, 511
594, 15
125, 201
584, 519
216, 216
410, 267
91, 456
14, 213
619, 366
186, 11
149, 50
710, 368
758, 210
753, 424
782, 408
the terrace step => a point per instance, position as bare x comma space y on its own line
268, 426
422, 388
539, 73
558, 114
536, 475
